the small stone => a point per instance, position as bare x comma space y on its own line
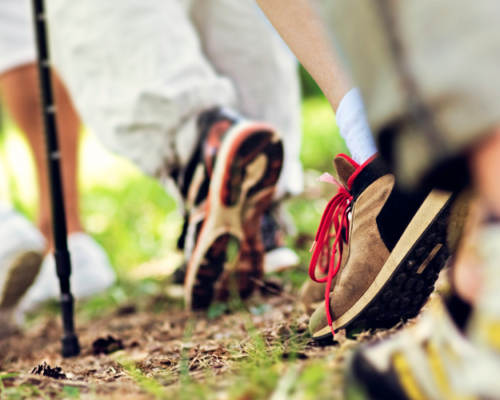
410, 264
106, 345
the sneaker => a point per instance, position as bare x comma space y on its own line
91, 273
397, 246
434, 359
278, 257
236, 160
21, 255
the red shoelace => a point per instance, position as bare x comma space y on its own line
336, 215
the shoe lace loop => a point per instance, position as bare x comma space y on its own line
336, 215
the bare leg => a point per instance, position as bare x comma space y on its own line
20, 90
484, 164
302, 28
305, 32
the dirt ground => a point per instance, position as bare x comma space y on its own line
155, 345
243, 353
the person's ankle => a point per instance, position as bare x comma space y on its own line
76, 228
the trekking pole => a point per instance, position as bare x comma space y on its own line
70, 346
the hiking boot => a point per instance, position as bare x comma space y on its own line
236, 160
397, 246
312, 294
21, 255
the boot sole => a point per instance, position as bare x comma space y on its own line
407, 279
21, 276
240, 166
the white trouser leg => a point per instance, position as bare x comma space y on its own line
17, 44
137, 75
241, 45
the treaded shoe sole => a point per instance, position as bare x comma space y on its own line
407, 279
251, 257
242, 164
23, 271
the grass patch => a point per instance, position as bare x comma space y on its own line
236, 351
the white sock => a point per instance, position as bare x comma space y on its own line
354, 128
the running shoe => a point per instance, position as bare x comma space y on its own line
21, 255
227, 185
91, 273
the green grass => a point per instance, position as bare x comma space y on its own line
136, 221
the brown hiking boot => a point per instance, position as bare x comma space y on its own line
312, 294
397, 246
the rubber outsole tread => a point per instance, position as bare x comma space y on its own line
209, 273
211, 269
22, 275
406, 291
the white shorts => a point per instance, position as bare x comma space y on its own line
17, 44
141, 71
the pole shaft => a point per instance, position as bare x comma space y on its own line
61, 254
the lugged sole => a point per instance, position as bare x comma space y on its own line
21, 276
407, 278
241, 164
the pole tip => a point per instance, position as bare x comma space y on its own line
70, 346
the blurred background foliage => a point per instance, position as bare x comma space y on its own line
134, 218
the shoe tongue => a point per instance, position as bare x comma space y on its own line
345, 167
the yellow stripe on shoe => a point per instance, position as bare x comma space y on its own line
406, 378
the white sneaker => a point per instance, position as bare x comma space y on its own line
21, 254
91, 273
280, 259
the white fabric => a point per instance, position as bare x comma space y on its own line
91, 273
354, 128
17, 236
17, 45
486, 314
280, 259
468, 370
140, 71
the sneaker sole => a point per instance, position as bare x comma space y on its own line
259, 199
240, 166
21, 276
250, 264
407, 279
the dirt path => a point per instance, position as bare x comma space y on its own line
158, 350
